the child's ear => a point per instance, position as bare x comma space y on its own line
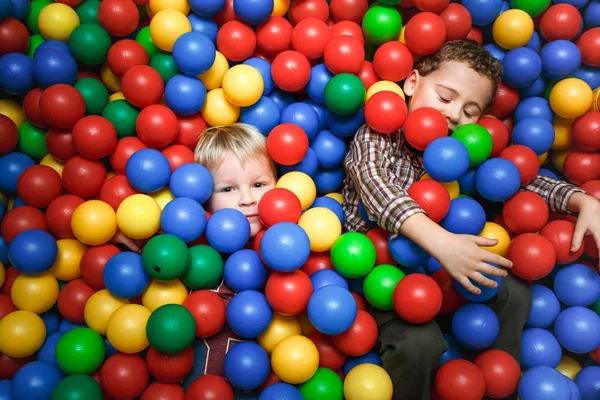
410, 83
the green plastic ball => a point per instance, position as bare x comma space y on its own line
88, 12
32, 18
34, 43
165, 65
353, 255
171, 328
344, 94
123, 117
165, 257
477, 140
324, 385
89, 44
94, 93
379, 286
143, 37
382, 24
77, 387
32, 140
80, 351
597, 306
531, 7
206, 268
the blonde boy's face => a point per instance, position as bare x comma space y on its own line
241, 187
457, 91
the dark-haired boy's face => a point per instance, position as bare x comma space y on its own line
456, 90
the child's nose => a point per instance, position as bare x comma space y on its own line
247, 198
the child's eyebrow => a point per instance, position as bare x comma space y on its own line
455, 92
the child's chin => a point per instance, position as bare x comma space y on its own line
255, 227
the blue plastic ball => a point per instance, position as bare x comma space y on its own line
466, 182
47, 353
322, 112
330, 149
522, 66
578, 329
575, 392
194, 53
285, 247
35, 380
590, 75
534, 107
406, 252
535, 43
329, 180
193, 181
52, 66
280, 391
185, 95
264, 115
475, 326
5, 8
547, 172
432, 266
483, 12
465, 216
588, 382
592, 14
204, 25
331, 204
304, 116
544, 307
577, 285
33, 251
486, 292
309, 165
371, 357
184, 218
52, 319
539, 347
20, 9
496, 51
498, 179
264, 68
319, 76
67, 326
453, 351
3, 251
124, 275
544, 383
574, 3
244, 270
535, 133
246, 366
365, 215
249, 314
332, 309
227, 230
446, 159
327, 277
11, 167
345, 125
253, 12
281, 98
536, 89
148, 170
16, 73
560, 59
53, 45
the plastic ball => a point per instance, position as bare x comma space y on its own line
171, 328
406, 252
295, 359
343, 54
525, 212
18, 73
425, 25
498, 179
460, 379
76, 387
381, 24
36, 293
332, 310
533, 256
170, 368
561, 21
477, 141
288, 293
501, 373
301, 185
535, 133
24, 332
588, 46
539, 347
281, 327
249, 314
367, 381
583, 131
379, 286
287, 144
577, 285
208, 310
94, 222
100, 306
417, 298
581, 166
458, 21
512, 29
32, 251
10, 138
147, 163
124, 375
236, 41
126, 329
543, 381
165, 257
560, 59
385, 112
522, 66
227, 230
310, 37
446, 159
560, 234
325, 383
423, 126
246, 366
35, 380
142, 85
573, 328
57, 21
475, 326
118, 17
125, 54
217, 110
72, 299
525, 159
534, 107
353, 255
279, 205
210, 386
80, 351
322, 228
344, 94
124, 275
571, 98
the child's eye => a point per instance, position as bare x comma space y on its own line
443, 100
227, 189
468, 114
259, 184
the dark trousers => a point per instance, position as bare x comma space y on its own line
411, 353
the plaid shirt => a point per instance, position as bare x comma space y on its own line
380, 169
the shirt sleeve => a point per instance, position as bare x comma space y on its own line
556, 193
369, 167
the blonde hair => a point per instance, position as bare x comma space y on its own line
243, 140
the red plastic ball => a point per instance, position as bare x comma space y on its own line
62, 106
476, 35
316, 262
457, 20
10, 135
83, 177
592, 188
163, 391
452, 300
582, 166
501, 373
524, 159
226, 14
329, 355
344, 54
498, 132
178, 155
500, 221
125, 54
585, 131
590, 248
59, 143
32, 109
124, 376
348, 10
425, 33
142, 85
423, 126
38, 185
118, 17
115, 190
385, 112
348, 28
279, 205
208, 310
11, 275
125, 149
560, 22
509, 123
22, 219
560, 234
288, 292
94, 137
287, 144
6, 307
367, 74
70, 3
379, 237
170, 368
14, 36
190, 128
506, 100
533, 256
93, 261
434, 6
209, 387
59, 213
9, 366
432, 197
274, 35
290, 70
304, 9
360, 302
157, 126
459, 380
72, 300
589, 46
236, 41
525, 212
393, 61
417, 298
310, 37
360, 338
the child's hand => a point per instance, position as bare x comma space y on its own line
588, 221
464, 259
133, 245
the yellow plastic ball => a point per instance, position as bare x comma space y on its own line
138, 216
126, 329
3, 198
558, 158
401, 38
53, 163
213, 78
382, 86
596, 100
513, 28
156, 6
453, 187
23, 333
35, 293
166, 27
301, 185
66, 266
542, 158
281, 327
305, 325
280, 8
13, 111
94, 222
149, 11
562, 133
162, 197
11, 203
2, 274
110, 80
217, 110
160, 293
336, 196
571, 98
109, 175
322, 226
56, 21
99, 308
243, 85
492, 230
295, 359
568, 367
116, 96
368, 381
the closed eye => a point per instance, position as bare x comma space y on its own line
445, 101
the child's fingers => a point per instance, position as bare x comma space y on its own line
491, 270
485, 242
494, 258
463, 280
482, 280
578, 235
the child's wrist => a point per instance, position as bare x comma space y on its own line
577, 200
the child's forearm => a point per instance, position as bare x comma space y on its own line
577, 200
424, 232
